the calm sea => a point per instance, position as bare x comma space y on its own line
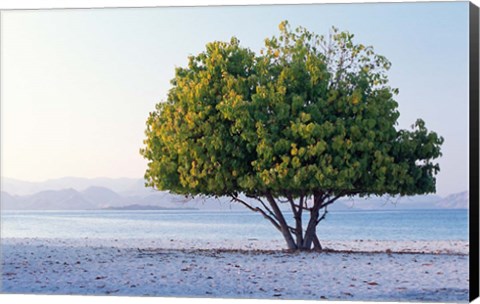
214, 225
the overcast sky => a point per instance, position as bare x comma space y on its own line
77, 85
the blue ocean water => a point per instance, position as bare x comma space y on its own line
236, 225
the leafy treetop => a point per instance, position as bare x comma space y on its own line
308, 115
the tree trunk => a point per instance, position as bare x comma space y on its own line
311, 230
282, 222
298, 223
296, 237
316, 243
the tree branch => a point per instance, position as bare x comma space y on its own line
332, 200
256, 209
266, 208
322, 217
283, 201
305, 203
300, 204
292, 205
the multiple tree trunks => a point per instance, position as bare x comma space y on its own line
296, 237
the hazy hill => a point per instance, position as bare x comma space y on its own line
341, 205
66, 199
18, 187
103, 197
80, 193
136, 188
455, 201
8, 201
392, 203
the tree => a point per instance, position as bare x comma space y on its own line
309, 120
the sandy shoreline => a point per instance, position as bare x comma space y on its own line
415, 271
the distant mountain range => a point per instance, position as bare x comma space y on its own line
123, 186
73, 193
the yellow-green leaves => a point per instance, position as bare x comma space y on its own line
356, 96
309, 113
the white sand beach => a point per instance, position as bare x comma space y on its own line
355, 270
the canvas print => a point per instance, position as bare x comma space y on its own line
311, 152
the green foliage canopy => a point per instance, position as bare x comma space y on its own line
309, 114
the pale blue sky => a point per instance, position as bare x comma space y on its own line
77, 85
